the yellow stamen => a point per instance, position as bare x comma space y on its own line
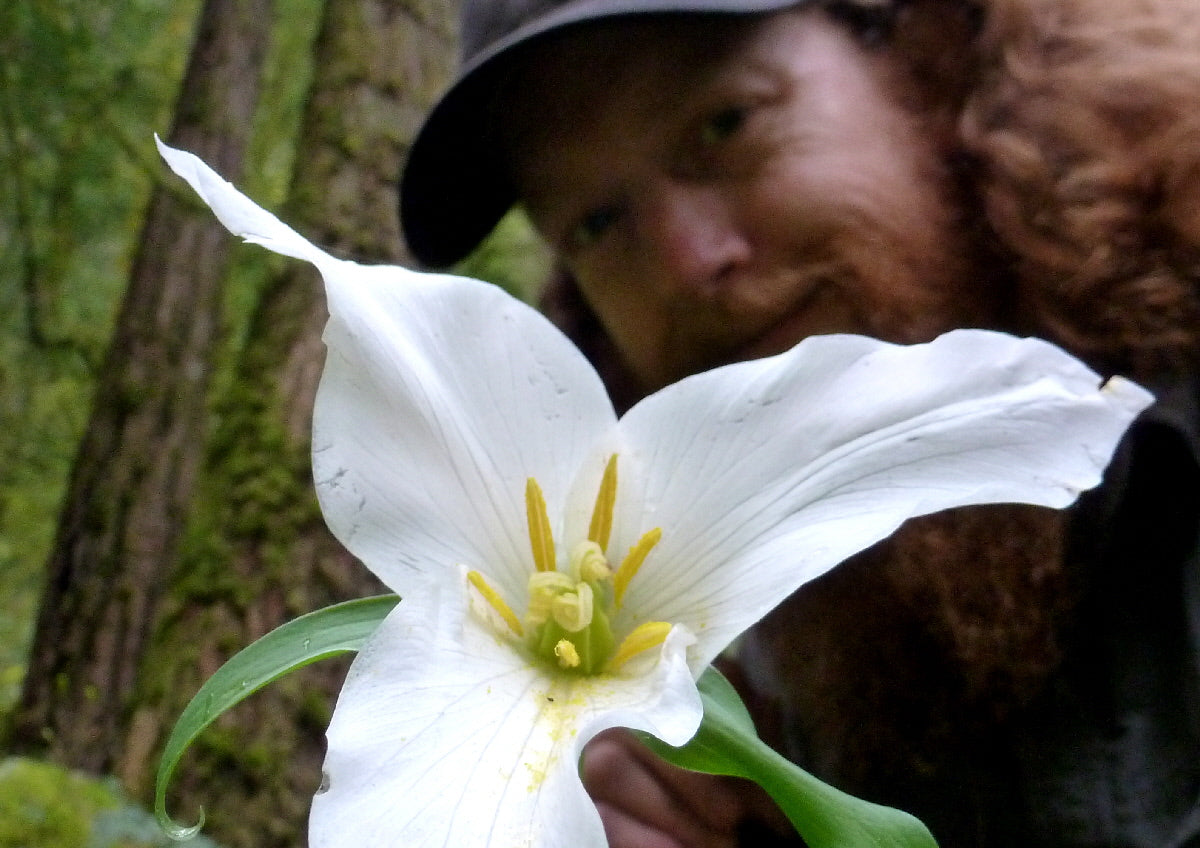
573, 610
642, 638
602, 514
540, 537
497, 603
633, 562
568, 656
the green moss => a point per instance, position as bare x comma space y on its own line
47, 806
257, 495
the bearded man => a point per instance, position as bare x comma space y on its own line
720, 179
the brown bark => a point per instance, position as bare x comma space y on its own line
261, 553
136, 467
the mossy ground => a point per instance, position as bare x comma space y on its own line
46, 806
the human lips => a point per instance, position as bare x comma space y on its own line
809, 314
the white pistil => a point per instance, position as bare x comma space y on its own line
589, 564
544, 587
573, 610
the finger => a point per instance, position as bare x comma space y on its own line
626, 831
719, 803
623, 775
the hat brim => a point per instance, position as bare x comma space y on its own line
455, 186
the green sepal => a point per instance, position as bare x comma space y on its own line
728, 744
338, 629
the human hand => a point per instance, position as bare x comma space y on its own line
646, 802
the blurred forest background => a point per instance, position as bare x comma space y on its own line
156, 380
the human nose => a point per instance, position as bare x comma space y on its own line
691, 234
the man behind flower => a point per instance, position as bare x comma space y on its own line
721, 179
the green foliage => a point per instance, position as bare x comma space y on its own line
82, 87
513, 257
46, 806
325, 633
728, 744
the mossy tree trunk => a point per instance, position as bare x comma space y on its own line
134, 474
258, 551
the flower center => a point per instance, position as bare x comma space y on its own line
568, 613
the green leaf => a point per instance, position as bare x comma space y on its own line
328, 632
728, 744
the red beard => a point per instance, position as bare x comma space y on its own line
893, 675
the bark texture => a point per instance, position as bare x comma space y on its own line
136, 468
258, 551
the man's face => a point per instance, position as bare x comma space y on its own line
723, 189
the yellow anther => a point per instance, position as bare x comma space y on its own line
568, 655
633, 562
641, 638
573, 610
602, 514
589, 563
540, 537
544, 587
496, 602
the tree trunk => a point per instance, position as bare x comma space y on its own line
259, 553
133, 477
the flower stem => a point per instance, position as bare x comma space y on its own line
826, 817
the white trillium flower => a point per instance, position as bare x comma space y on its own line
563, 571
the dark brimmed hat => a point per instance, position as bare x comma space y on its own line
455, 187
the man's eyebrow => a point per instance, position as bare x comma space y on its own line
546, 203
537, 185
758, 71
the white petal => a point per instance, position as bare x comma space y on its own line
765, 474
443, 735
240, 215
440, 396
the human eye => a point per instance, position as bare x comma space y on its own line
592, 226
724, 140
722, 124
